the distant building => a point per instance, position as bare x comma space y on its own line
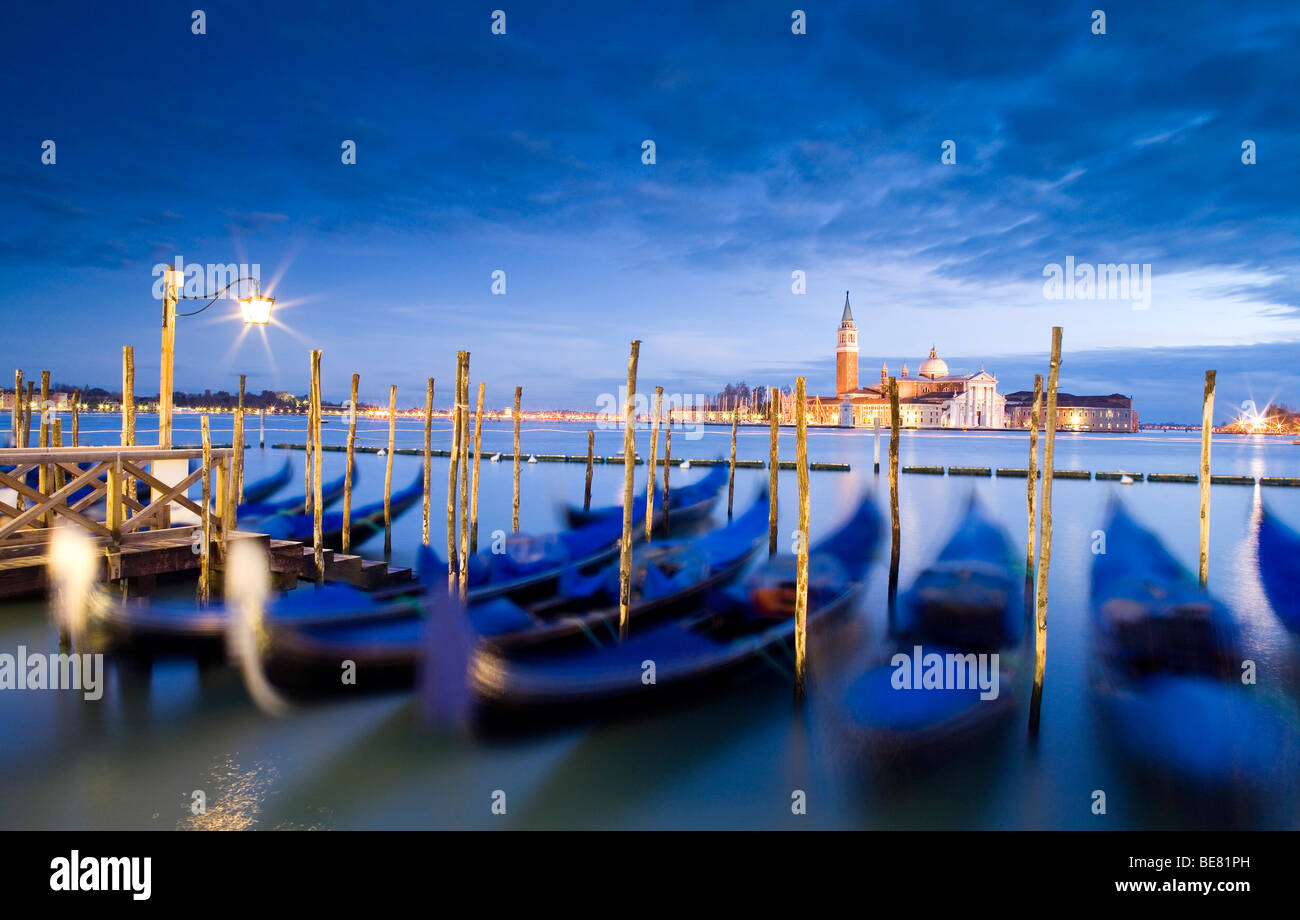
1076, 413
60, 401
934, 398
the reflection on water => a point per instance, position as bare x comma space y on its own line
731, 759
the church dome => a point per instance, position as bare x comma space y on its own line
933, 366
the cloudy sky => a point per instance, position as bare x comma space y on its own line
775, 153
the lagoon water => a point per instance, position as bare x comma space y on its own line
134, 759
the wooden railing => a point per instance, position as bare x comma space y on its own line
110, 474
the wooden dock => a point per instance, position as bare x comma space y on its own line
137, 541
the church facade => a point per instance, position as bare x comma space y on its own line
933, 397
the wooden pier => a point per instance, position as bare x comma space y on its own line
137, 540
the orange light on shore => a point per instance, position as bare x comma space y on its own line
256, 309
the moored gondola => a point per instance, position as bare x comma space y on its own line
670, 578
1168, 668
950, 674
687, 505
331, 492
365, 521
736, 631
1279, 568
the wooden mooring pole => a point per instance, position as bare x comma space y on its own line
668, 455
128, 418
45, 469
895, 529
1045, 537
801, 564
478, 457
629, 472
773, 463
347, 469
464, 482
453, 465
428, 455
1207, 432
731, 475
27, 413
16, 416
656, 411
238, 458
76, 417
514, 503
205, 560
591, 457
1031, 487
875, 422
388, 470
261, 429
317, 501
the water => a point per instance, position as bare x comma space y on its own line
134, 759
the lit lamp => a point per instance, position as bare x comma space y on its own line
257, 309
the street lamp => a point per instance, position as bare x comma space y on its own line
256, 311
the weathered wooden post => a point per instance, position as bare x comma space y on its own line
205, 561
128, 419
801, 563
668, 455
1207, 432
1035, 420
60, 477
1045, 537
773, 463
514, 514
464, 483
428, 454
895, 426
656, 411
478, 457
261, 429
453, 466
238, 459
317, 503
731, 475
308, 467
45, 469
388, 470
591, 456
76, 417
629, 472
875, 421
347, 469
27, 413
16, 416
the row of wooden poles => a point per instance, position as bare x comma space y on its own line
462, 528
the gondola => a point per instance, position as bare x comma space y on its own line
950, 673
262, 489
1167, 670
365, 521
182, 627
331, 492
734, 633
687, 505
1279, 568
670, 578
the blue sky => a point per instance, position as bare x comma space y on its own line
775, 153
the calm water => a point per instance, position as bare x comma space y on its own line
133, 759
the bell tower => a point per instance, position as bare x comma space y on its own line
846, 352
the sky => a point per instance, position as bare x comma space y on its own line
775, 153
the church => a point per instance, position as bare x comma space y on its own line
932, 398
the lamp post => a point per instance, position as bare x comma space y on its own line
256, 311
